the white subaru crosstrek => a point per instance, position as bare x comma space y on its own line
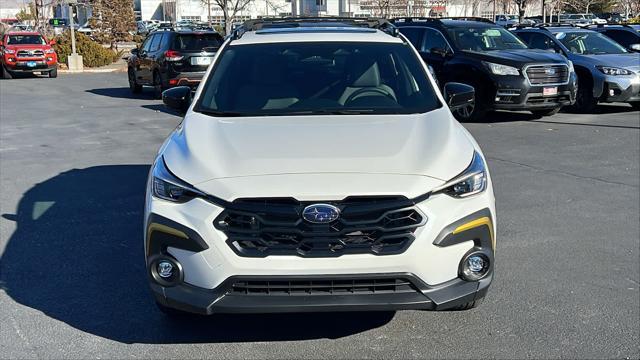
318, 168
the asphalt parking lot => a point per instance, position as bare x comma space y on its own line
74, 156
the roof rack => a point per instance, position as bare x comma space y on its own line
295, 22
462, 18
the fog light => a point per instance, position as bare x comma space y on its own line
475, 266
165, 269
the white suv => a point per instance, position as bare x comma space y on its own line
318, 168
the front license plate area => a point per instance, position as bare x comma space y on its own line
549, 91
31, 64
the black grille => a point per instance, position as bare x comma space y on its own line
261, 227
548, 74
537, 100
322, 287
30, 53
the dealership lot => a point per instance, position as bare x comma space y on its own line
74, 156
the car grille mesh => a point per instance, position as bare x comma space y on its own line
262, 227
548, 74
321, 287
29, 53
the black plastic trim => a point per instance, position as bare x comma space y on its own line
158, 241
481, 235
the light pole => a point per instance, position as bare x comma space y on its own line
74, 61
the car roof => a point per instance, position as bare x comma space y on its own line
315, 34
23, 33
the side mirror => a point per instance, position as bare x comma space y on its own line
439, 51
177, 98
458, 95
135, 51
52, 42
635, 47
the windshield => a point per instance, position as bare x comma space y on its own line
25, 40
484, 39
317, 78
196, 42
589, 43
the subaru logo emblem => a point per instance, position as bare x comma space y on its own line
550, 71
320, 213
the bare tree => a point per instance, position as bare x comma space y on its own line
522, 6
230, 11
112, 20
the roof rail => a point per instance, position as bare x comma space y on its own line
294, 22
463, 18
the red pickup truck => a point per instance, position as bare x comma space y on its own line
27, 52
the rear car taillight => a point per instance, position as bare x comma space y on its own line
172, 55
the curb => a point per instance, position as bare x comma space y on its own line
89, 71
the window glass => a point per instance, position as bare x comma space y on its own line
622, 37
481, 39
25, 40
155, 43
414, 34
317, 78
589, 43
197, 42
434, 40
541, 41
147, 43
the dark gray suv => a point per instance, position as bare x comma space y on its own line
606, 71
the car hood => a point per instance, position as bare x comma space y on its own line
429, 146
518, 58
627, 61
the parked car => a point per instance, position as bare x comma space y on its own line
27, 52
507, 20
171, 58
581, 19
505, 73
606, 71
624, 35
249, 210
611, 17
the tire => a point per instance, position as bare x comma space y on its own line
157, 86
545, 112
133, 83
53, 73
6, 74
585, 102
468, 306
171, 312
474, 112
635, 105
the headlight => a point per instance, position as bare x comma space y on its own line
571, 69
472, 181
9, 51
614, 70
499, 69
49, 51
168, 187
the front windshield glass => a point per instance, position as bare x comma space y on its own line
25, 40
484, 39
317, 78
589, 43
512, 17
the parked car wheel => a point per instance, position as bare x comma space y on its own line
474, 111
545, 112
133, 83
585, 102
53, 73
157, 86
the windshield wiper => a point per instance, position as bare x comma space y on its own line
331, 112
220, 113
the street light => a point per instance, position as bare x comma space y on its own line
74, 61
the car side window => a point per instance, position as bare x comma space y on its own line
434, 40
164, 44
622, 37
415, 35
155, 44
542, 42
147, 43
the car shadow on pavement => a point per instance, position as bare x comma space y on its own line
77, 256
123, 93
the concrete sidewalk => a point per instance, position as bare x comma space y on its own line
118, 66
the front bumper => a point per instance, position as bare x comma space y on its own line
621, 88
223, 300
516, 93
186, 233
23, 66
